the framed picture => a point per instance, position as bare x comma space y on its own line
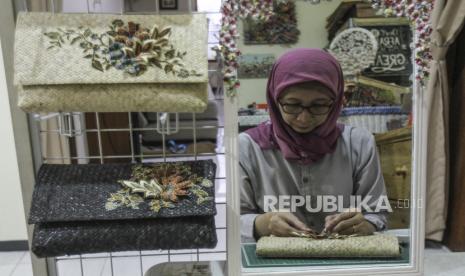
281, 28
168, 4
255, 66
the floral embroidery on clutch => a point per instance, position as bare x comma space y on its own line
127, 47
162, 184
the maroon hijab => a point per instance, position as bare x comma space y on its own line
298, 66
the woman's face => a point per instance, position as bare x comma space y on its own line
315, 99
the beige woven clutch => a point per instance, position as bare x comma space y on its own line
378, 245
114, 63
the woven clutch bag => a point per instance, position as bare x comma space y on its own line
80, 209
111, 63
378, 245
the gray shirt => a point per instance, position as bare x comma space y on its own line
352, 169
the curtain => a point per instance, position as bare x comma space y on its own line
455, 231
447, 21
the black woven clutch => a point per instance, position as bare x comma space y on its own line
71, 215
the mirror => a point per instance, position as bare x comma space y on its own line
371, 158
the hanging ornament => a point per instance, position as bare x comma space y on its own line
232, 11
355, 49
418, 12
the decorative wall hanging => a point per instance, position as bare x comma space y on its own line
255, 66
90, 62
232, 11
118, 207
393, 62
418, 12
378, 245
280, 28
394, 53
355, 49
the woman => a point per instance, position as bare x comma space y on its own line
301, 152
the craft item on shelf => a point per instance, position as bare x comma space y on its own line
345, 10
183, 148
255, 66
367, 96
252, 120
377, 245
314, 2
355, 49
364, 91
111, 63
280, 28
96, 208
373, 118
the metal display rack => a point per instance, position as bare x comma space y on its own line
72, 127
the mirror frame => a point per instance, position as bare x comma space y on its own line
421, 58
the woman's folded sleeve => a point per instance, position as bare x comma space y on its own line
369, 182
249, 208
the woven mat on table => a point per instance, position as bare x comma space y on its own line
55, 72
378, 245
251, 260
70, 215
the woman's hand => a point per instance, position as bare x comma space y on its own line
279, 224
348, 223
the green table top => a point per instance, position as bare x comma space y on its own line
251, 260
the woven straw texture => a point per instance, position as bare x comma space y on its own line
61, 79
378, 245
68, 210
34, 64
114, 98
59, 239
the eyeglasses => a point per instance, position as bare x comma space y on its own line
315, 109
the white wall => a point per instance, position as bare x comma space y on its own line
311, 21
13, 224
94, 6
115, 6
